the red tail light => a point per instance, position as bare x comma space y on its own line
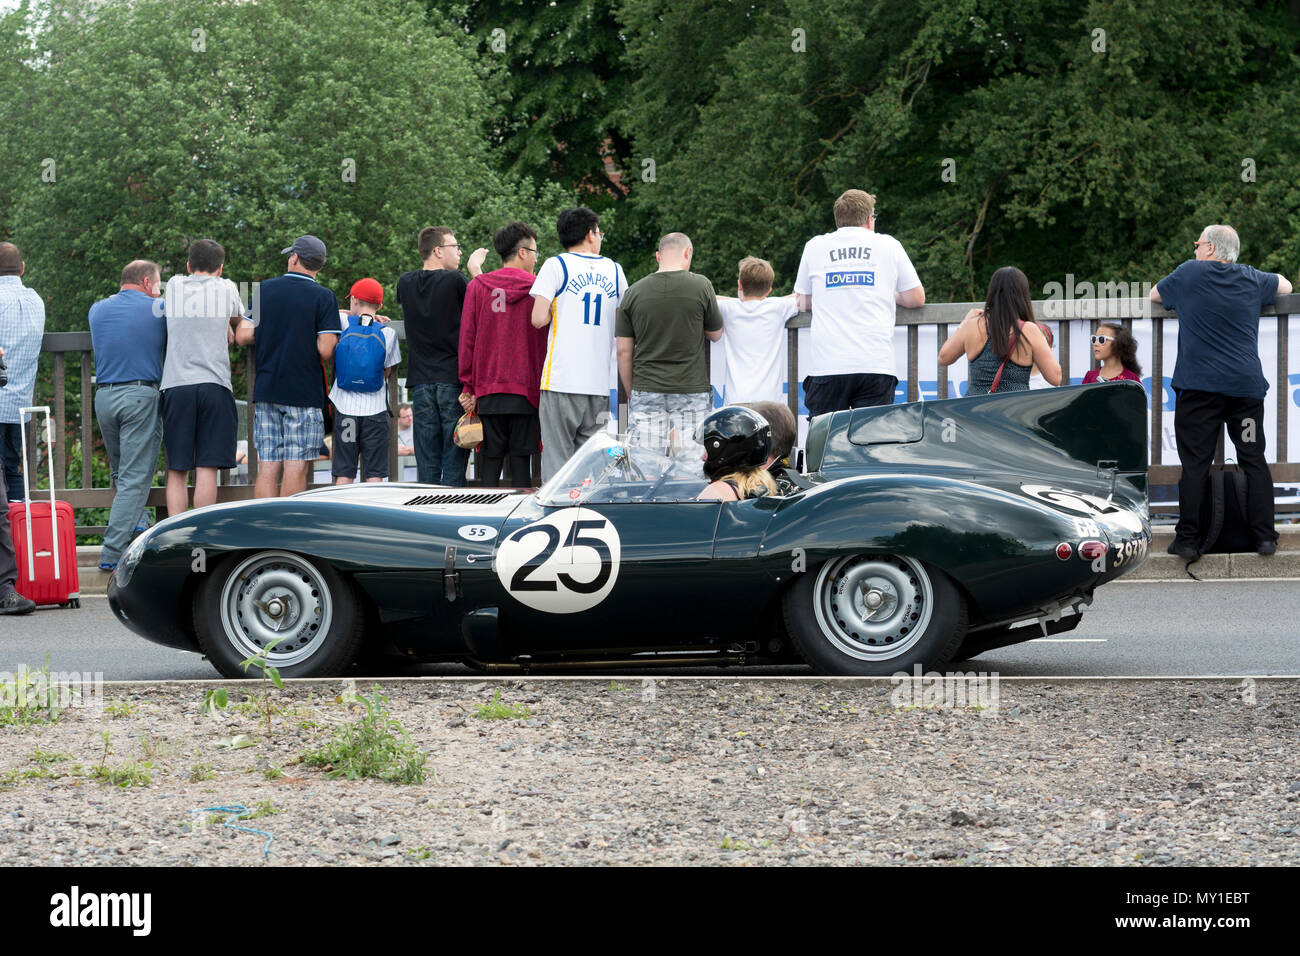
1092, 550
1063, 551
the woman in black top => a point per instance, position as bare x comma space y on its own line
1002, 336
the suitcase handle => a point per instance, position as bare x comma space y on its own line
27, 490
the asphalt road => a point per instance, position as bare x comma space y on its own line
1142, 629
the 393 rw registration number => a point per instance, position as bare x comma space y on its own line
1134, 549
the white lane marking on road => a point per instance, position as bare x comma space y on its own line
1069, 640
1186, 580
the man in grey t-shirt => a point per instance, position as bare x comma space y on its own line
200, 420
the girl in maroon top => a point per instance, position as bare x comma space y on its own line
1116, 349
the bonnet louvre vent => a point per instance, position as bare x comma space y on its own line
477, 498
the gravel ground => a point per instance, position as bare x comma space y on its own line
741, 772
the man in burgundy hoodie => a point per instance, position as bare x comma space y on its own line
501, 357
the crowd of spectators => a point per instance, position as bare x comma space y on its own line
534, 350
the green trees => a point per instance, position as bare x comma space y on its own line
142, 126
1095, 139
1091, 138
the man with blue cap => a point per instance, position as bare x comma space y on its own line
293, 326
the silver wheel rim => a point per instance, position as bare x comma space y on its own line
873, 607
276, 596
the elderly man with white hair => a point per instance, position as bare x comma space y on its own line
1218, 379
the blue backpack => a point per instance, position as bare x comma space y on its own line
359, 356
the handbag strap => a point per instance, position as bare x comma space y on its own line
1010, 352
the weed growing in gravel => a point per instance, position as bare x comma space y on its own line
614, 687
120, 708
265, 808
108, 743
28, 699
272, 773
374, 745
130, 774
419, 853
201, 771
729, 844
495, 710
270, 675
48, 756
214, 702
156, 748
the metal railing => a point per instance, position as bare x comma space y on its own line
65, 347
1059, 313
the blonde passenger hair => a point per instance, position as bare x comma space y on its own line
747, 479
756, 276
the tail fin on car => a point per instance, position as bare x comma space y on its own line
1093, 436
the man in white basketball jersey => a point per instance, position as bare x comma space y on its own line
577, 294
852, 279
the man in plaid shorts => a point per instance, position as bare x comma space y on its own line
663, 323
294, 326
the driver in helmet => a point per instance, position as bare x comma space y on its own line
736, 443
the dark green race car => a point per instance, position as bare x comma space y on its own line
923, 533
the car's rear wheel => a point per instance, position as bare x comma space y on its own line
874, 615
304, 611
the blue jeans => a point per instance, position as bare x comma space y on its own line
130, 422
436, 409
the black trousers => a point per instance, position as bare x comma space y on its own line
832, 393
11, 457
1198, 420
8, 561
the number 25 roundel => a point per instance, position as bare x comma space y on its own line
565, 563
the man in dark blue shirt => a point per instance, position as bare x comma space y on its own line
294, 322
1218, 379
129, 336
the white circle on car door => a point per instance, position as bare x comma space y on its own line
564, 563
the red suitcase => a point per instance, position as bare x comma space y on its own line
45, 539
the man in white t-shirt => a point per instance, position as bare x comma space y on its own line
577, 294
755, 343
852, 279
361, 414
200, 420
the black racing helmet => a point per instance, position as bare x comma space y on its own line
734, 437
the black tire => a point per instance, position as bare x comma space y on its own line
919, 616
250, 600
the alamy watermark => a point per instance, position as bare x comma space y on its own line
1089, 294
52, 690
952, 691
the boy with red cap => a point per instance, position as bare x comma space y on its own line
364, 360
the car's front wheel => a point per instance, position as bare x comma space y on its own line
875, 615
304, 611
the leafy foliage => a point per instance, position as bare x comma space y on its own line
374, 745
1091, 138
163, 121
1097, 154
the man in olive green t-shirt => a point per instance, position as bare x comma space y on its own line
663, 321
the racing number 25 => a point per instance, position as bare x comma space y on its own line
520, 581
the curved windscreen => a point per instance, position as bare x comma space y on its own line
609, 468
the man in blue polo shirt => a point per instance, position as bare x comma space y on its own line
1218, 379
129, 336
294, 326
